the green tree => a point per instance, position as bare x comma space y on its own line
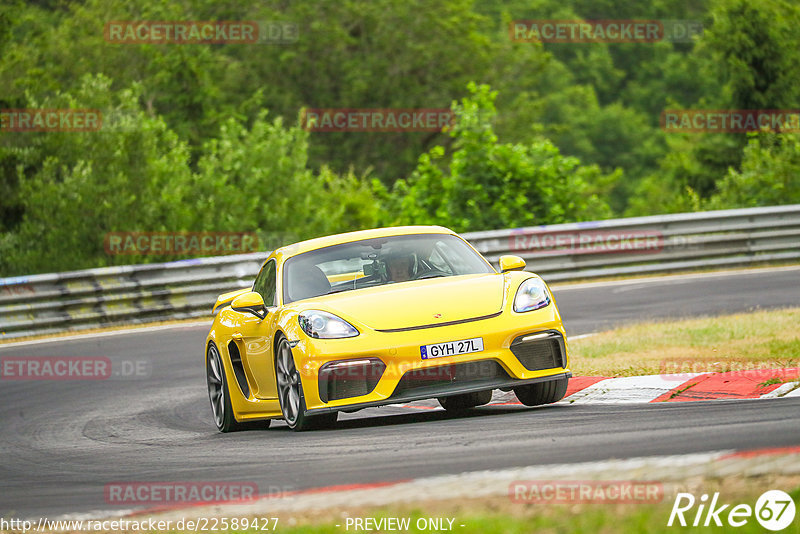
258, 179
351, 53
134, 175
755, 46
77, 186
485, 185
769, 174
751, 50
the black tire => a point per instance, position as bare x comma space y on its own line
542, 392
465, 401
290, 393
219, 395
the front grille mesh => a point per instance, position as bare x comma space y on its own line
351, 381
539, 354
459, 373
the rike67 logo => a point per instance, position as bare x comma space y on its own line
774, 510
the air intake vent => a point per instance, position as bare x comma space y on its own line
238, 368
349, 378
538, 352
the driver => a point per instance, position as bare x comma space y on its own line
400, 266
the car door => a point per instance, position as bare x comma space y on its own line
255, 336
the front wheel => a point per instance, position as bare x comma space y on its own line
219, 394
290, 393
542, 392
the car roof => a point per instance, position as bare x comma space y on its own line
321, 242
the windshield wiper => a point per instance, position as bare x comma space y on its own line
332, 291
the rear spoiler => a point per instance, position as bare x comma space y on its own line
226, 298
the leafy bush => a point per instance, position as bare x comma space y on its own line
769, 174
483, 184
135, 175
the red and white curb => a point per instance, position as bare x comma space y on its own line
750, 384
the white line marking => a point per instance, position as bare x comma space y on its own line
582, 336
672, 277
125, 331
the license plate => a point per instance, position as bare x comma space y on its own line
451, 348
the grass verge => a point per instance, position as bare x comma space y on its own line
756, 340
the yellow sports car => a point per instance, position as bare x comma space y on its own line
378, 317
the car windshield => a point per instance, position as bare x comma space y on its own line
376, 262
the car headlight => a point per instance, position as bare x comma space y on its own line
531, 295
324, 325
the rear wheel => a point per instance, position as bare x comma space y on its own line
290, 393
219, 394
542, 392
465, 401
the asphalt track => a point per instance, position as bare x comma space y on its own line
62, 442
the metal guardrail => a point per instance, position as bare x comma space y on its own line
133, 294
656, 244
58, 302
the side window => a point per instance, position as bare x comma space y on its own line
265, 283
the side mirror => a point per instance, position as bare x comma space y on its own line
250, 302
511, 263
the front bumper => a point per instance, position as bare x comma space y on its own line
440, 391
503, 363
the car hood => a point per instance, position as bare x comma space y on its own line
422, 302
